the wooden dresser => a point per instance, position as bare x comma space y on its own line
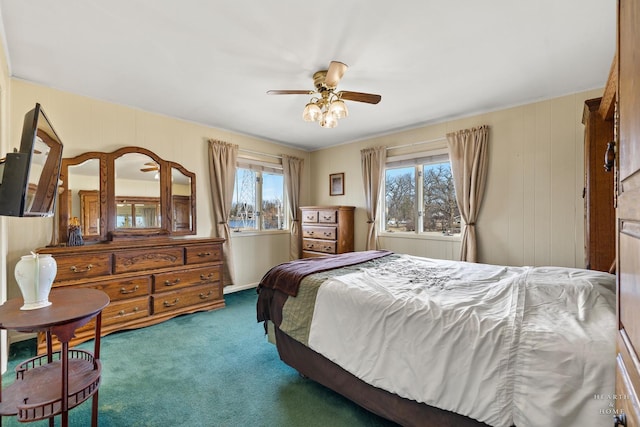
327, 230
147, 281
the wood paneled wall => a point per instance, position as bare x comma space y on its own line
533, 212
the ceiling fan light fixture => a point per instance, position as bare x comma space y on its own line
339, 109
326, 105
312, 112
328, 120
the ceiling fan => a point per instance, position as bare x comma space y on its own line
150, 167
327, 105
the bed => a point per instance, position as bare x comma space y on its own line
426, 342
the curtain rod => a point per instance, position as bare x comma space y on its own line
259, 153
442, 138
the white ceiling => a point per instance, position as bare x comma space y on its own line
212, 61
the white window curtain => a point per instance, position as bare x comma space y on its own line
373, 164
468, 153
222, 173
292, 170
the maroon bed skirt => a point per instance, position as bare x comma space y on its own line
313, 365
388, 405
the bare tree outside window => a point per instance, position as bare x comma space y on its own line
400, 187
258, 199
441, 212
243, 207
273, 211
421, 198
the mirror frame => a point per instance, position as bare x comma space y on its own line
107, 198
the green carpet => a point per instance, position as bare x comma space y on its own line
204, 369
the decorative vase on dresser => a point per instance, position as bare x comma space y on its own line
35, 274
327, 230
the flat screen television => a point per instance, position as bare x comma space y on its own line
30, 175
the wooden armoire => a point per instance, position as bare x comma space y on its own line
599, 213
626, 80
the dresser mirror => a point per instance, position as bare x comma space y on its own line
137, 192
128, 193
182, 190
82, 189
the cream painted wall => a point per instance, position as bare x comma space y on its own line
86, 124
533, 211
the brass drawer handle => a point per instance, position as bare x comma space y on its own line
610, 156
207, 277
123, 312
76, 270
171, 304
124, 291
327, 234
206, 296
175, 282
204, 254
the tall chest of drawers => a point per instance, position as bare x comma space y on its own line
147, 282
327, 230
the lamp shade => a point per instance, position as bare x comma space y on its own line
339, 109
328, 120
311, 112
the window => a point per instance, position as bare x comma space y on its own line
420, 196
258, 200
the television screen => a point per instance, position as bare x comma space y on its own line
30, 175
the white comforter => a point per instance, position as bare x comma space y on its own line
504, 345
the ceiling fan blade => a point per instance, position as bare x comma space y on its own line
369, 98
290, 92
148, 169
334, 74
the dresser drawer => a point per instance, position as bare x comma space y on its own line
163, 282
310, 216
327, 217
308, 254
120, 312
83, 266
147, 259
120, 289
198, 254
184, 298
324, 246
123, 311
328, 233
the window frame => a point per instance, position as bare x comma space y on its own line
418, 161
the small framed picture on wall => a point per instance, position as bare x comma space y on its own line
336, 184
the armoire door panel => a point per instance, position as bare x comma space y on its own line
628, 213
